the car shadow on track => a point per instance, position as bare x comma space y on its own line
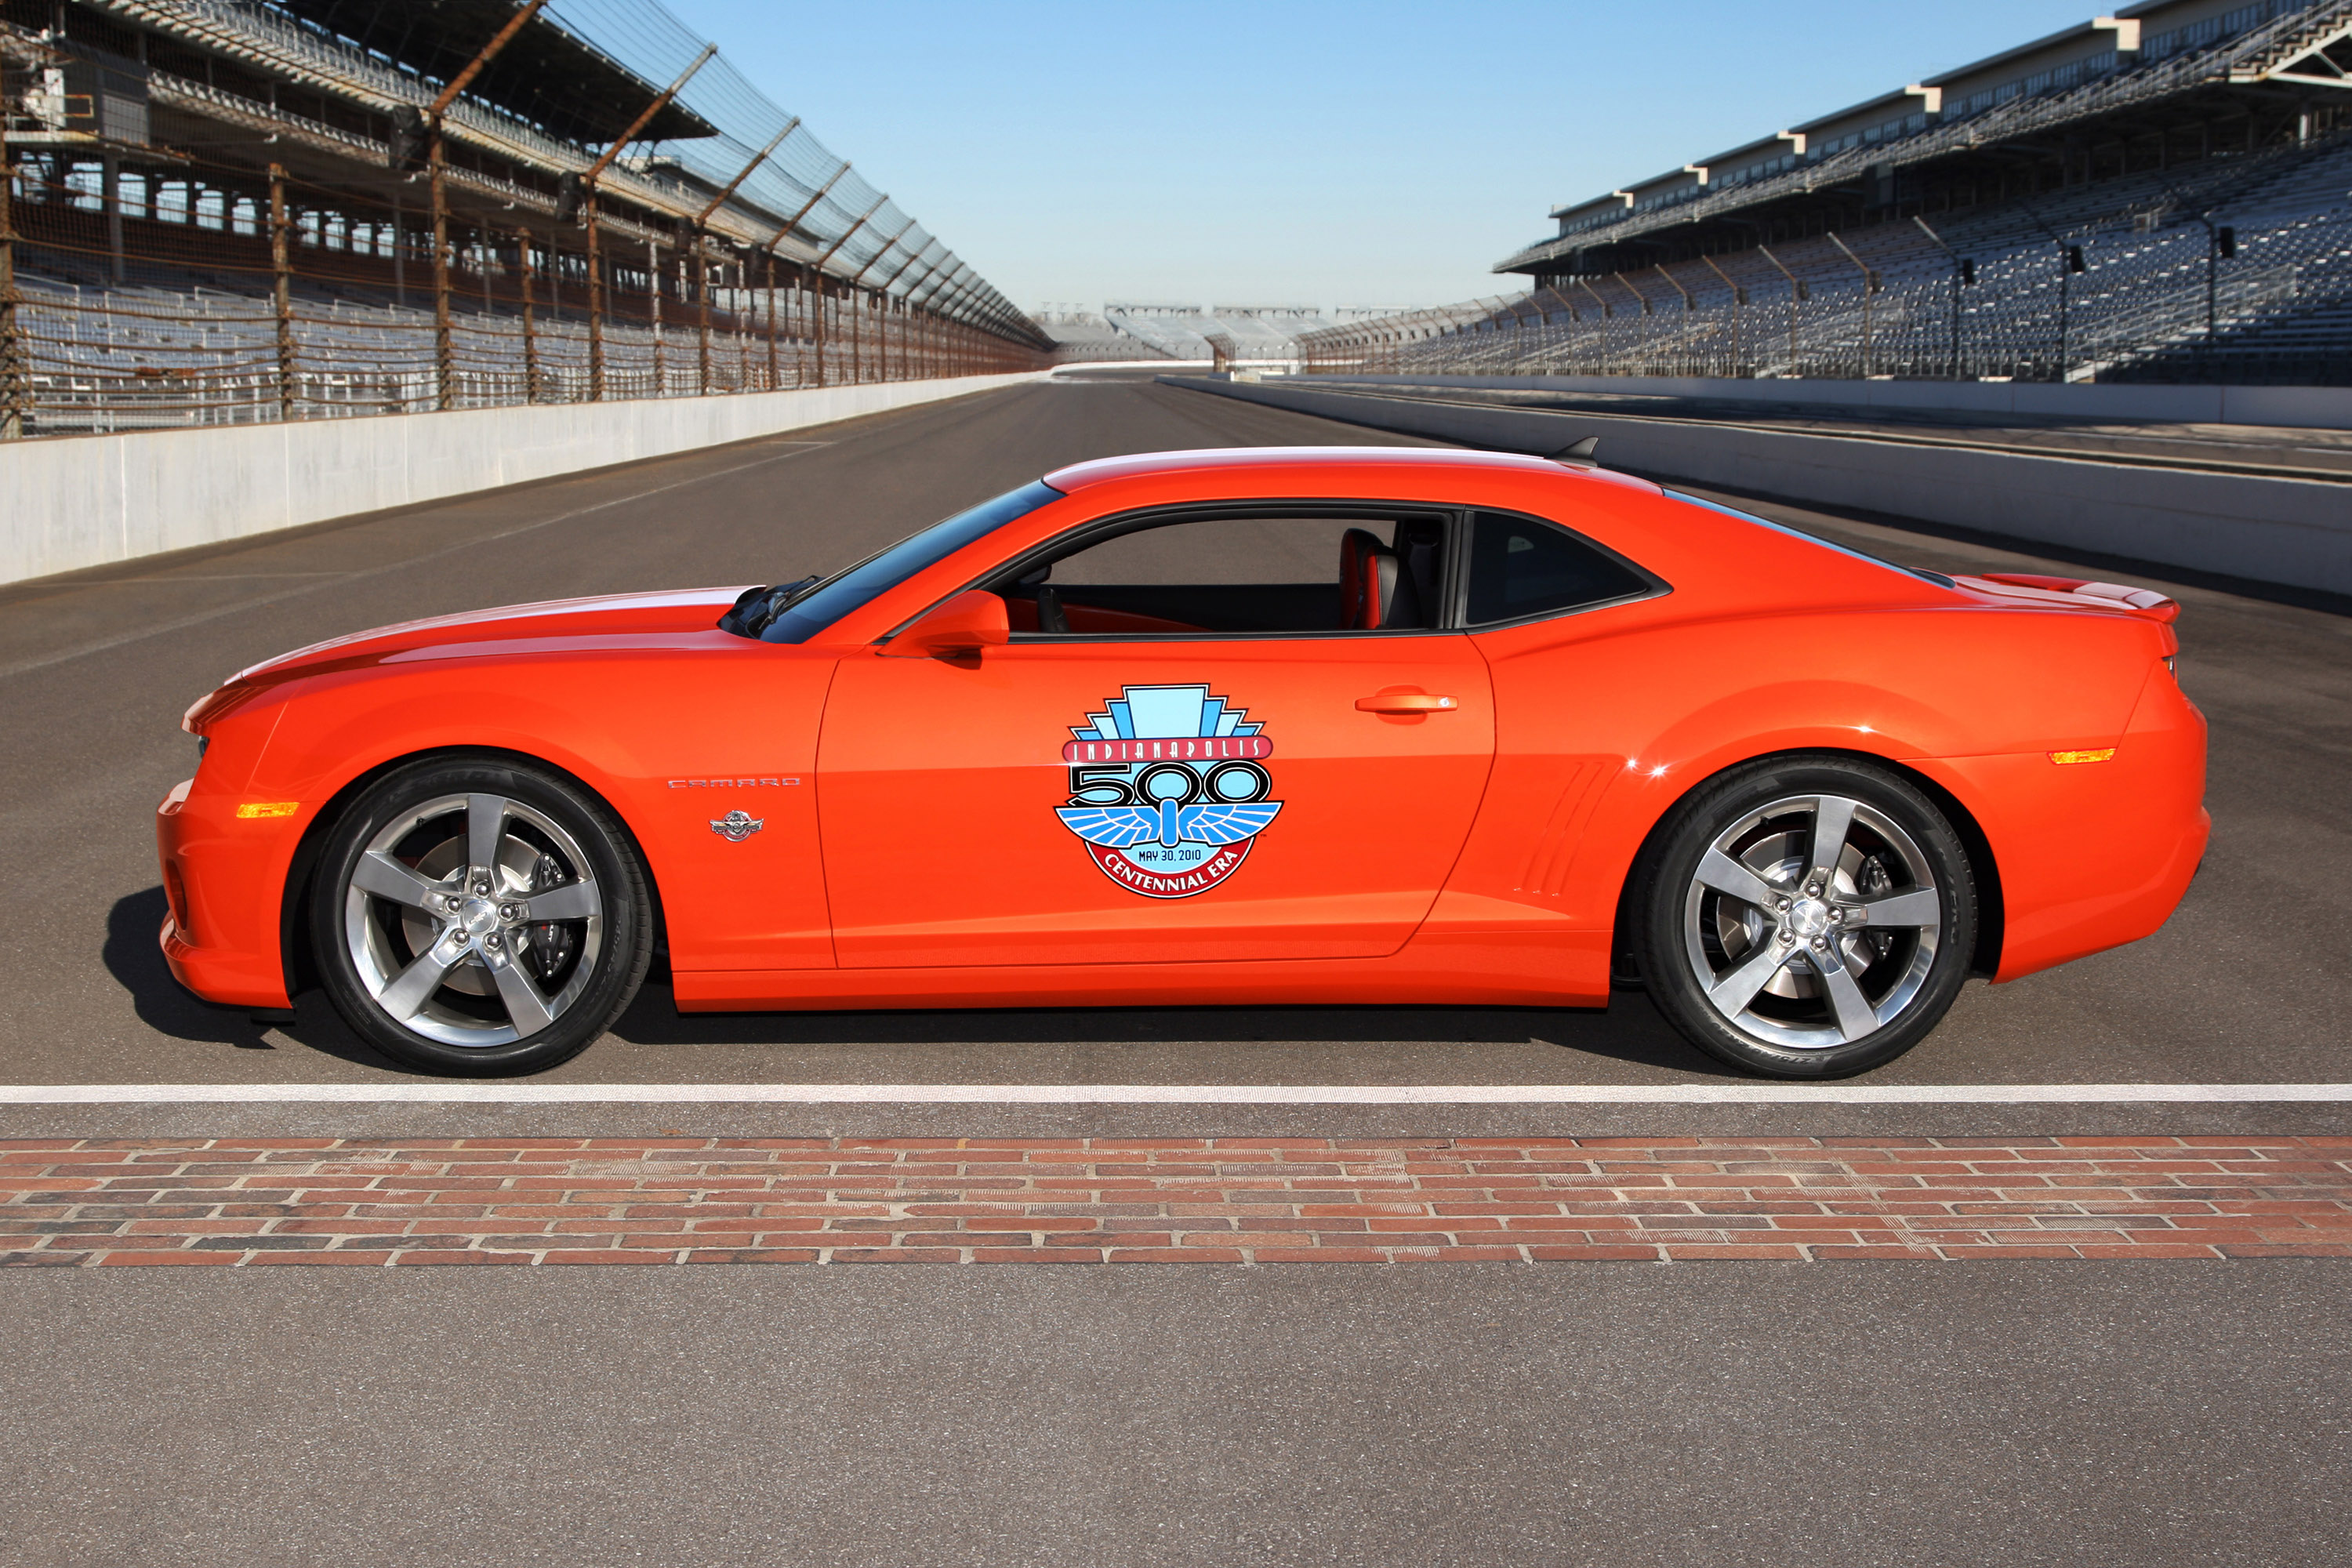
133, 955
1631, 1030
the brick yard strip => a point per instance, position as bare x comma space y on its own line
445, 1092
1166, 1200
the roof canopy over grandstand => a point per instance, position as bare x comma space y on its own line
2157, 85
546, 75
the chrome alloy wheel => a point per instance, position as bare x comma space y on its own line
473, 920
1812, 922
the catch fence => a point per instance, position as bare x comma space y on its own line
235, 255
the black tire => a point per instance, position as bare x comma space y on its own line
1900, 856
401, 913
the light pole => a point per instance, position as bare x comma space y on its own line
1797, 292
1963, 272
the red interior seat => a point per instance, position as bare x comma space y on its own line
1376, 589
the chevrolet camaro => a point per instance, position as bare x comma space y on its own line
1298, 726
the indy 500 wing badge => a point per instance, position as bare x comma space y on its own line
1167, 789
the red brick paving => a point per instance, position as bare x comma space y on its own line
1162, 1200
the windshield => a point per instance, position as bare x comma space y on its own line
1919, 572
837, 595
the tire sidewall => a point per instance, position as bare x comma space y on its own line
627, 945
1687, 834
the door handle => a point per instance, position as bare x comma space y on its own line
1405, 703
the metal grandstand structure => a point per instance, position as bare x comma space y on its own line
2178, 209
1240, 334
1085, 337
238, 211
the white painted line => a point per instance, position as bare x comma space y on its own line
443, 1092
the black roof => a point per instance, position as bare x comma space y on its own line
547, 76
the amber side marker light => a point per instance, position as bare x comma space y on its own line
2104, 754
252, 808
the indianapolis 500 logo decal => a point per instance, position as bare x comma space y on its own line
1168, 788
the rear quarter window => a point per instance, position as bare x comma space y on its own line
1522, 567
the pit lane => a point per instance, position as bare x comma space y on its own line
2245, 985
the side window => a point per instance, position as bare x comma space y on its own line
1241, 574
1521, 567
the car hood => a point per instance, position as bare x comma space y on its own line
611, 621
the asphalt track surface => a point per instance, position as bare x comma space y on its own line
2247, 984
1474, 1413
1709, 1415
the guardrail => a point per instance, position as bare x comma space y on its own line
2293, 532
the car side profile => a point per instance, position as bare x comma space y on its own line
1304, 725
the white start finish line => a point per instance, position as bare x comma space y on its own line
446, 1093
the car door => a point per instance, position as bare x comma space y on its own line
1115, 796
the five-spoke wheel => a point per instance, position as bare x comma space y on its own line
1807, 916
479, 918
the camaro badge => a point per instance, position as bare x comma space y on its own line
736, 826
1168, 788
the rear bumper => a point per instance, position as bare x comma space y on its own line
222, 880
2093, 855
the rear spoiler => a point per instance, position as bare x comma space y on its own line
2141, 601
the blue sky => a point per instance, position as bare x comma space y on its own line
1303, 152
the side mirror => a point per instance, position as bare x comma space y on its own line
970, 621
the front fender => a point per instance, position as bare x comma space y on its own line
661, 738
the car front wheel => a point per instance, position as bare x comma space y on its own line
1807, 917
476, 917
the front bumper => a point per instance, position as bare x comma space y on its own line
224, 882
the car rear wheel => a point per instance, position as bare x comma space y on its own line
472, 917
1807, 917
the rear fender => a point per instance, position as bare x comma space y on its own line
1983, 864
1884, 728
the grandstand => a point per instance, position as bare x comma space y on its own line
1245, 334
1083, 337
2162, 194
241, 211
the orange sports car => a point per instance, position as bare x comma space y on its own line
1314, 725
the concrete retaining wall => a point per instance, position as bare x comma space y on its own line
2292, 531
84, 501
2294, 407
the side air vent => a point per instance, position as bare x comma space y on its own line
1554, 849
